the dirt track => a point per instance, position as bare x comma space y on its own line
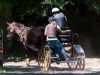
92, 66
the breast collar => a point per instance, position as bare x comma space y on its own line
21, 34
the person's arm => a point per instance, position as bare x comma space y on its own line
62, 31
45, 32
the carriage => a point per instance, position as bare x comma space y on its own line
45, 51
76, 54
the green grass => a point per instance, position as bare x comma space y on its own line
5, 69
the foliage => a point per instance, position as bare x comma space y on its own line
5, 8
5, 69
40, 7
93, 5
53, 3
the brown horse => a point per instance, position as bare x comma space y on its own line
29, 36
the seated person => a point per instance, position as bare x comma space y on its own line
61, 19
50, 32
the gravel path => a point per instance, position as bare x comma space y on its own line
92, 67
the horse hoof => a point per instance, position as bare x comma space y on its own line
27, 66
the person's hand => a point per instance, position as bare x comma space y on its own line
68, 30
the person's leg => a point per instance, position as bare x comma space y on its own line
61, 48
52, 45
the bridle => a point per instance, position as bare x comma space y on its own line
8, 30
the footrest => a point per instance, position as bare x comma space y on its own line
54, 57
79, 57
73, 60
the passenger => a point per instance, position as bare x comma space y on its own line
61, 19
50, 32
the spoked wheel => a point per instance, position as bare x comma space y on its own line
41, 58
47, 61
72, 65
44, 59
82, 64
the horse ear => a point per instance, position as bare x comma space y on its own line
8, 23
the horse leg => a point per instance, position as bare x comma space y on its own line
27, 58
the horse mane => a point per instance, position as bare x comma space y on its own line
19, 25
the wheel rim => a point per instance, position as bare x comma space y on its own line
47, 61
72, 65
82, 64
41, 59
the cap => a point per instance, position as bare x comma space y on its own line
55, 10
51, 19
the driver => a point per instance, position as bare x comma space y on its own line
61, 19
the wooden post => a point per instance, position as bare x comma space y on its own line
1, 47
1, 58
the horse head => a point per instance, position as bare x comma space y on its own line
13, 28
10, 30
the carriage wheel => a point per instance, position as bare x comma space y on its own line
47, 61
72, 65
41, 58
44, 59
82, 64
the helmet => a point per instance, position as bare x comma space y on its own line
51, 19
55, 10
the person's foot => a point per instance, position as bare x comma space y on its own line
58, 60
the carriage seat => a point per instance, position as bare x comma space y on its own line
64, 38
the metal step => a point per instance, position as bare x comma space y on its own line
64, 36
53, 57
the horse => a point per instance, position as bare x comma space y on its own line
31, 37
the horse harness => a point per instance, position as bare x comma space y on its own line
21, 34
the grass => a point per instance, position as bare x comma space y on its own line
5, 69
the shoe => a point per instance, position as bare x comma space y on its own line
58, 60
67, 59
